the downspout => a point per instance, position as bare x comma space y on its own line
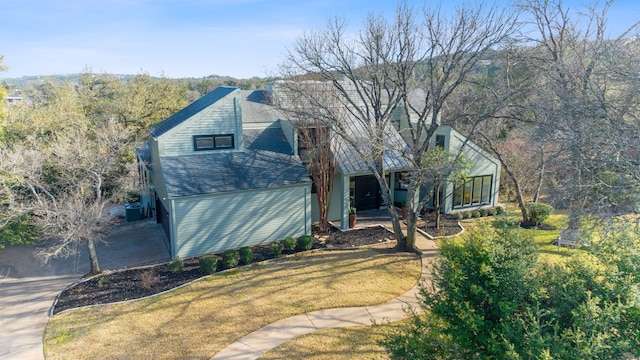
172, 229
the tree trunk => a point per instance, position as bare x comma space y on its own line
436, 203
536, 194
93, 257
519, 197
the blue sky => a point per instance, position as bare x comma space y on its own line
185, 38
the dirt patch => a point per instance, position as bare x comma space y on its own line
141, 282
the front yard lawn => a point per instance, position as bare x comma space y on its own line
201, 319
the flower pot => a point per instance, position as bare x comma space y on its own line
352, 221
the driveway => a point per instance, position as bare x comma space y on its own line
28, 288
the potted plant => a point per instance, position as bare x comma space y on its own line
352, 217
403, 207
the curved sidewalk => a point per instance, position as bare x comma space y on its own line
272, 335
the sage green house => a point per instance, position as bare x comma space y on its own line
221, 174
226, 172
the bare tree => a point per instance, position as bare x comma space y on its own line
390, 68
588, 85
318, 144
64, 177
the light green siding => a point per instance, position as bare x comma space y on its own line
483, 164
222, 117
223, 221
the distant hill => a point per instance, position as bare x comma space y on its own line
25, 82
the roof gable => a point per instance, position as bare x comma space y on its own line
192, 109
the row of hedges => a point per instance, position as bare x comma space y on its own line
229, 259
473, 214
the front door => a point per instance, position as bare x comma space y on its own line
367, 193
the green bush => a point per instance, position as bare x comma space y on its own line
289, 243
175, 266
460, 216
258, 257
246, 255
475, 214
208, 263
506, 223
493, 211
499, 210
483, 212
229, 259
304, 243
276, 248
467, 214
537, 213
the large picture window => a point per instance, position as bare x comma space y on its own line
212, 142
475, 191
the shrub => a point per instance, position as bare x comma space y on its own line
483, 212
258, 257
229, 259
505, 223
208, 263
537, 213
175, 266
493, 211
246, 255
499, 210
460, 216
467, 214
289, 244
475, 214
276, 248
304, 243
148, 279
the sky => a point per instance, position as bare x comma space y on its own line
182, 38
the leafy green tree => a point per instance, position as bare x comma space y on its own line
490, 298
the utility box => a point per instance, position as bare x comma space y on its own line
133, 211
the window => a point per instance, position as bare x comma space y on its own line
475, 191
212, 142
440, 141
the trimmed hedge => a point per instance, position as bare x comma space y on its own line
304, 243
229, 259
208, 263
289, 243
276, 248
175, 266
246, 255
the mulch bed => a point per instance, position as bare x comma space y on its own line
448, 225
141, 282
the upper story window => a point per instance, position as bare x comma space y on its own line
213, 142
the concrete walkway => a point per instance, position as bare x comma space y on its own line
272, 335
28, 288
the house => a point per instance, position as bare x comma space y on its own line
226, 172
221, 174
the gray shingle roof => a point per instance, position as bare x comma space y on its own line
256, 107
269, 139
192, 109
188, 175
